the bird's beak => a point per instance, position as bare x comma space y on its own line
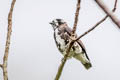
51, 23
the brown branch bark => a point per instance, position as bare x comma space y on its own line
76, 17
108, 12
63, 61
98, 23
5, 58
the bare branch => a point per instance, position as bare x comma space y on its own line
98, 23
63, 61
5, 59
76, 17
108, 12
60, 69
115, 6
70, 44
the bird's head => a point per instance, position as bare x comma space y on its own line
56, 23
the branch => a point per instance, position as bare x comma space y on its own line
70, 44
108, 12
63, 61
76, 17
98, 23
115, 6
5, 59
73, 32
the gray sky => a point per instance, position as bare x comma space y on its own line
33, 53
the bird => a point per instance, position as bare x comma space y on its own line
62, 37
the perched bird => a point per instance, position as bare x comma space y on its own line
62, 36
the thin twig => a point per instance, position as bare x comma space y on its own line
5, 59
98, 23
76, 17
108, 12
63, 61
115, 6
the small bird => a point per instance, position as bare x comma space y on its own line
62, 36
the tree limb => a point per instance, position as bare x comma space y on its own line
5, 58
108, 12
98, 23
76, 17
63, 61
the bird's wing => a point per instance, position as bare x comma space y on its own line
83, 48
66, 32
69, 31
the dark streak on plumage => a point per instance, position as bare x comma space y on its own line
57, 44
69, 31
64, 32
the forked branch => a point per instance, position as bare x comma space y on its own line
73, 32
63, 61
98, 23
108, 12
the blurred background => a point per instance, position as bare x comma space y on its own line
33, 54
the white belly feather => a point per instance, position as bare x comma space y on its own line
63, 47
60, 40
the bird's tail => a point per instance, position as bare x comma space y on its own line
84, 60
